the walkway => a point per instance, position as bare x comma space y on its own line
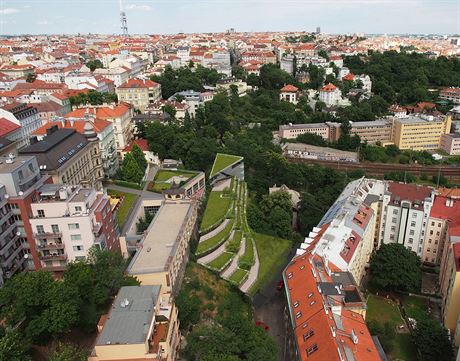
253, 273
216, 253
234, 265
215, 231
222, 185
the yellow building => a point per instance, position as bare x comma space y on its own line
421, 132
139, 93
142, 324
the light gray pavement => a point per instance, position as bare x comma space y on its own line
234, 265
253, 272
211, 234
222, 185
216, 253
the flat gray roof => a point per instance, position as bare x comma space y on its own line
18, 162
313, 148
130, 324
302, 126
161, 240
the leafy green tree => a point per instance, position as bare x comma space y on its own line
131, 170
144, 222
31, 78
272, 77
94, 64
65, 352
13, 347
323, 54
169, 110
313, 139
396, 268
238, 72
432, 340
139, 156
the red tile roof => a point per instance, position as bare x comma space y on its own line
98, 124
101, 112
328, 88
349, 77
138, 83
6, 127
142, 143
448, 209
289, 89
408, 192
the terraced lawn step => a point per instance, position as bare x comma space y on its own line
238, 276
221, 262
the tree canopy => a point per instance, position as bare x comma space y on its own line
93, 97
395, 268
432, 340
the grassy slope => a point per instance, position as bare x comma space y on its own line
222, 161
125, 206
215, 209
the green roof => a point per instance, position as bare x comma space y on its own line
223, 161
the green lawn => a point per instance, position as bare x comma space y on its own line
221, 261
415, 307
222, 161
125, 206
159, 187
164, 175
234, 245
382, 310
216, 208
238, 276
247, 258
215, 241
272, 255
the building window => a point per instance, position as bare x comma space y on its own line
411, 232
55, 228
393, 220
395, 211
308, 334
296, 304
412, 224
77, 248
41, 213
74, 226
312, 349
40, 229
75, 237
77, 209
298, 314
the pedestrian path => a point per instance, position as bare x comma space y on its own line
215, 231
234, 265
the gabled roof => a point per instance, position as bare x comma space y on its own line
98, 125
328, 88
7, 127
104, 112
289, 88
138, 83
223, 161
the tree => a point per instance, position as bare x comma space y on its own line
30, 78
323, 54
395, 268
65, 352
313, 139
144, 222
94, 64
131, 170
139, 156
432, 340
13, 347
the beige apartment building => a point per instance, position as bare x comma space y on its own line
67, 221
450, 143
292, 131
163, 252
69, 157
142, 324
139, 93
421, 132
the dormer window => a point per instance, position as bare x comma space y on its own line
289, 275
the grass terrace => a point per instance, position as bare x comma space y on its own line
216, 208
234, 245
223, 161
272, 253
238, 276
123, 210
219, 263
164, 175
214, 242
247, 258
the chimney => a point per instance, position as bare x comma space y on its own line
52, 129
34, 140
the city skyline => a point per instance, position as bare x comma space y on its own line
174, 16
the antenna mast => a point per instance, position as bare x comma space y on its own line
124, 21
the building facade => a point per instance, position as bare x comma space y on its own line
24, 115
139, 93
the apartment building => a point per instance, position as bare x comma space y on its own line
139, 93
450, 143
69, 157
292, 131
326, 311
330, 95
104, 132
24, 115
17, 71
163, 252
450, 94
289, 93
19, 178
67, 221
118, 75
373, 131
142, 324
307, 151
421, 132
119, 115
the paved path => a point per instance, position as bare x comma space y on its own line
222, 185
123, 189
211, 234
234, 265
216, 253
253, 273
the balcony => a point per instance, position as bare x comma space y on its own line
48, 235
53, 257
97, 228
50, 246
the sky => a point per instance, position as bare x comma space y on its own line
173, 16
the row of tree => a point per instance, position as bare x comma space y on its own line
93, 97
133, 166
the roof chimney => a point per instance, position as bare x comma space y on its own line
51, 129
33, 140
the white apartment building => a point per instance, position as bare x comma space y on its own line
117, 75
67, 221
25, 116
330, 95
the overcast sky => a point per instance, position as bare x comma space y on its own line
172, 16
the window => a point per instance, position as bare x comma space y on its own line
393, 220
395, 211
412, 224
308, 334
312, 349
310, 294
55, 228
296, 304
78, 248
411, 232
40, 213
289, 275
74, 226
75, 237
298, 314
40, 229
414, 215
77, 209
